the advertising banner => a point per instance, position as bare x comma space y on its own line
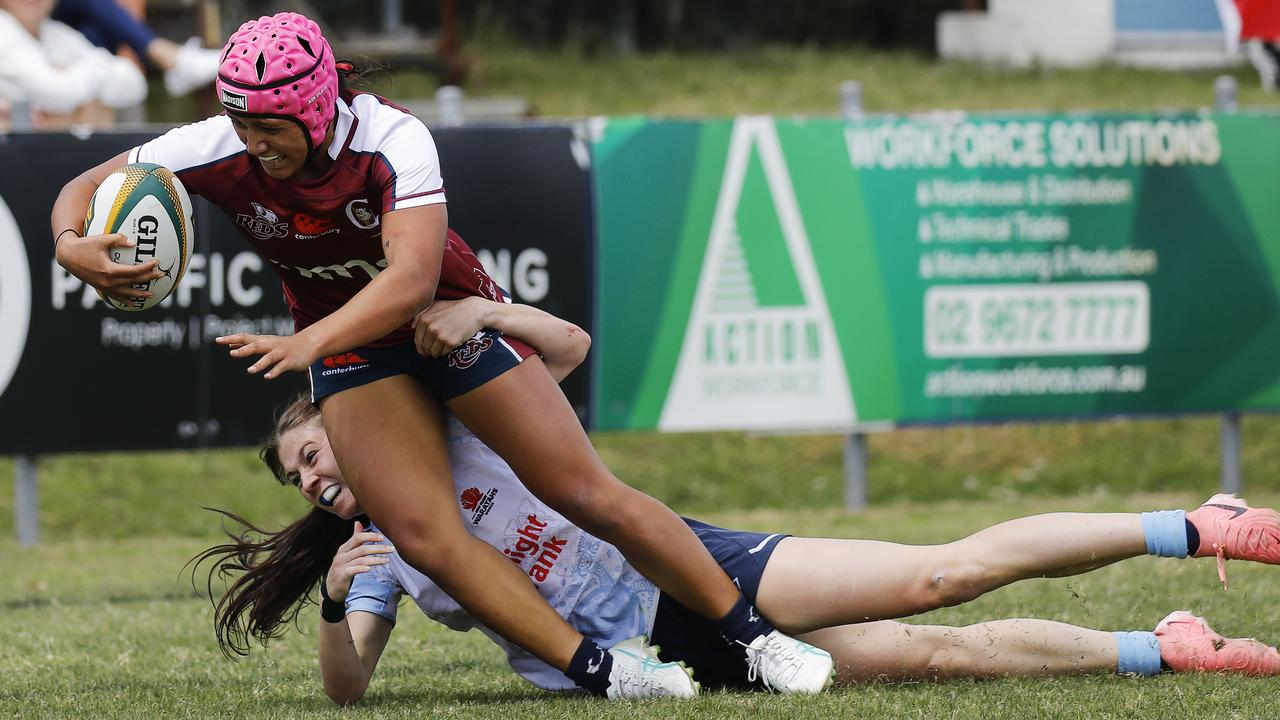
818, 274
77, 375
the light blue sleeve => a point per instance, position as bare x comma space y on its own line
377, 592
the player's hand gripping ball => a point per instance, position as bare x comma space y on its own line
147, 203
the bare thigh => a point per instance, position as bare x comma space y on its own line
389, 440
813, 583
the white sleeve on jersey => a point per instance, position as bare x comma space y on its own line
409, 152
189, 146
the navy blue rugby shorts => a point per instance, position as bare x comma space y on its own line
472, 364
685, 635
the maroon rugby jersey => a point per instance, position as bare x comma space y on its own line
323, 238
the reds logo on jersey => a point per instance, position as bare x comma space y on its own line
466, 354
486, 286
264, 224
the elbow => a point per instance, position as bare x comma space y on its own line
580, 341
567, 359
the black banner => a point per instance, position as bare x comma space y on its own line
76, 375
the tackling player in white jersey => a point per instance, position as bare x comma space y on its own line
837, 594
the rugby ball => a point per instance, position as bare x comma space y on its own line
147, 203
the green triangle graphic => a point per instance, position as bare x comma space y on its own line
769, 267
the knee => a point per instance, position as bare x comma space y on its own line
597, 503
953, 584
433, 549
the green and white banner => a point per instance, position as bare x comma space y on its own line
773, 274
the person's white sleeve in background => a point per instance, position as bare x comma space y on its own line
1232, 25
123, 85
27, 73
120, 83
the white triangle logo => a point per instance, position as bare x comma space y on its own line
743, 366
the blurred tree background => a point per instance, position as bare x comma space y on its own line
648, 25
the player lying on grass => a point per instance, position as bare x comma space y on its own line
838, 594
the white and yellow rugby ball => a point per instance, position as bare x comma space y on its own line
147, 203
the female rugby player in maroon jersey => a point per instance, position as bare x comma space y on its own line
342, 194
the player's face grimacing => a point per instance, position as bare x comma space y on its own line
277, 143
309, 465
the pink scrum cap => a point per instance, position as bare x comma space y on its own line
281, 66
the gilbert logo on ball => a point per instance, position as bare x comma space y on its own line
147, 203
15, 296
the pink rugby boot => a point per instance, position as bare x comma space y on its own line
1188, 644
1231, 530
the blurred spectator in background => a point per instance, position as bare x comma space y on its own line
108, 25
52, 73
1257, 23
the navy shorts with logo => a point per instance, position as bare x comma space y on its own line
685, 635
472, 364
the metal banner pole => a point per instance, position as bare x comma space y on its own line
1232, 478
26, 502
855, 472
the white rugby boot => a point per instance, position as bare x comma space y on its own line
786, 665
638, 673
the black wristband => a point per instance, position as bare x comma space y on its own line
64, 232
331, 611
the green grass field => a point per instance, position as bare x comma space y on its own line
98, 621
108, 629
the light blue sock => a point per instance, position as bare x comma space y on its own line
1139, 653
1165, 532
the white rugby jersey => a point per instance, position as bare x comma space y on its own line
586, 580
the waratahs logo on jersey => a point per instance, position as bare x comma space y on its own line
477, 503
466, 354
264, 224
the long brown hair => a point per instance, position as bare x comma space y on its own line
274, 572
